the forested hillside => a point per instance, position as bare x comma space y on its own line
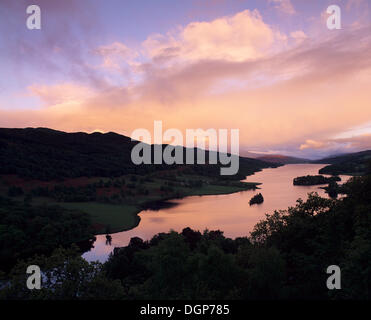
46, 154
352, 164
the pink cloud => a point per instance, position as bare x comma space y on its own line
243, 36
60, 93
58, 48
115, 54
298, 95
284, 6
312, 144
332, 146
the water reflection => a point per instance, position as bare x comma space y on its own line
229, 213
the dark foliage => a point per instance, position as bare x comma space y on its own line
353, 163
285, 257
314, 180
257, 199
26, 230
46, 154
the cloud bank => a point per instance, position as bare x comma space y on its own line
285, 91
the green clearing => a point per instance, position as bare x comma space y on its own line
118, 217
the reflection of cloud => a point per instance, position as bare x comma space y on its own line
157, 220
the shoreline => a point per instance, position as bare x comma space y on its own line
161, 203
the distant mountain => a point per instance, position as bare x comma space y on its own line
274, 158
281, 159
351, 163
46, 154
248, 154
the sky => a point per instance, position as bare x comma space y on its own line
270, 68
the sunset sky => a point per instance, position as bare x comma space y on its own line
270, 68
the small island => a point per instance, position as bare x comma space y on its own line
314, 180
257, 199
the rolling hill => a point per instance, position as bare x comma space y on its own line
277, 158
46, 154
351, 164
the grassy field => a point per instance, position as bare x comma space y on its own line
116, 217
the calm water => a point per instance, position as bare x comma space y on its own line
229, 213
